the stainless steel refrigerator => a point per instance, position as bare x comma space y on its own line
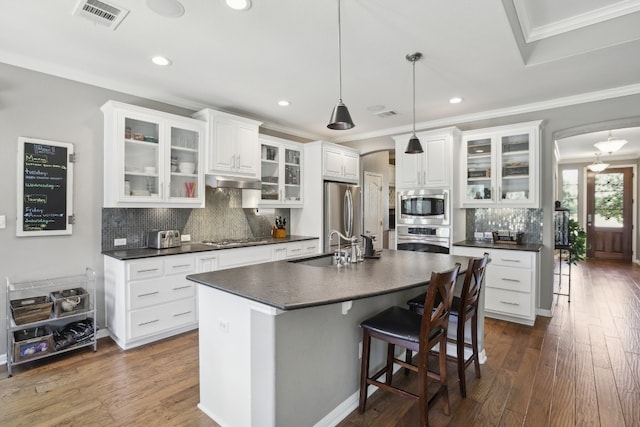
342, 212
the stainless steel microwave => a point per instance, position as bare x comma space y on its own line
426, 206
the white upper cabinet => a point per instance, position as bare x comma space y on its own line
232, 146
500, 166
433, 167
340, 163
281, 173
151, 158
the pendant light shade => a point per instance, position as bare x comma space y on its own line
414, 146
597, 165
340, 118
611, 145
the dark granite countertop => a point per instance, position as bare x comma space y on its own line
488, 244
291, 285
187, 248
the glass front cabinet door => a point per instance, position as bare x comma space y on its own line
500, 166
281, 173
151, 159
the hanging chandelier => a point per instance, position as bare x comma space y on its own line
611, 145
597, 165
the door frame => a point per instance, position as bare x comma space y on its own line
634, 204
378, 244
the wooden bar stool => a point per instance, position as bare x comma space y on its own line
399, 326
467, 304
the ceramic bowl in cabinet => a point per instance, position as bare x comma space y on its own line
187, 167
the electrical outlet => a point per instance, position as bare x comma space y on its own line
3, 221
478, 235
185, 237
360, 350
223, 325
119, 242
488, 235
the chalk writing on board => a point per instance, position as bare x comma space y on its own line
45, 187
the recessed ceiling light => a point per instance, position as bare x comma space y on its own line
455, 100
284, 103
239, 4
161, 61
166, 8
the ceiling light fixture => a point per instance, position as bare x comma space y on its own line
284, 103
166, 8
161, 61
455, 100
414, 146
611, 145
597, 165
239, 4
340, 117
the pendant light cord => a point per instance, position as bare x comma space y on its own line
414, 97
339, 54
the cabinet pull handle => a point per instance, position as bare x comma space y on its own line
149, 322
296, 250
182, 314
238, 161
181, 287
148, 270
509, 303
148, 294
509, 280
509, 260
233, 161
181, 266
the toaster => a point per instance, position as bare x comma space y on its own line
161, 239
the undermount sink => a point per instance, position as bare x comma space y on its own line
325, 260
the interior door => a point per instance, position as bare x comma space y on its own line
373, 207
609, 214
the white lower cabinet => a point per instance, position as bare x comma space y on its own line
510, 283
149, 299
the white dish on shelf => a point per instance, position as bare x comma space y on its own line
187, 167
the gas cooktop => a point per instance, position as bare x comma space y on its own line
234, 242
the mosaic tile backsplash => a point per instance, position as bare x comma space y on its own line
222, 218
513, 219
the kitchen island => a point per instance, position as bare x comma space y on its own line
279, 342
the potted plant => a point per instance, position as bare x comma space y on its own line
577, 242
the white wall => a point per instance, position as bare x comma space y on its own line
41, 106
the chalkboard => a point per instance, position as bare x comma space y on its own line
45, 186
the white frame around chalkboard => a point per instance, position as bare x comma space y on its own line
22, 141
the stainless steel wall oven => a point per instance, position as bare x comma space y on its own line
423, 238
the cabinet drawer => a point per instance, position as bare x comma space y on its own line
294, 250
310, 247
151, 292
505, 257
161, 318
512, 279
138, 270
520, 259
508, 302
179, 265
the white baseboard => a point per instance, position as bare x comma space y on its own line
3, 359
544, 312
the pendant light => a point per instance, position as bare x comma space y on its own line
611, 145
340, 118
597, 165
414, 146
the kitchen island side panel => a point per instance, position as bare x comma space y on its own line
260, 366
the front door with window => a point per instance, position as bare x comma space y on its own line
609, 214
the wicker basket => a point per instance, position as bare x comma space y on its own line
70, 302
29, 310
31, 343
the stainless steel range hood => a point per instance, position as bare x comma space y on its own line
221, 181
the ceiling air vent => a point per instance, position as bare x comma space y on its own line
100, 12
386, 113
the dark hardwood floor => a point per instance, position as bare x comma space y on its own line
579, 368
